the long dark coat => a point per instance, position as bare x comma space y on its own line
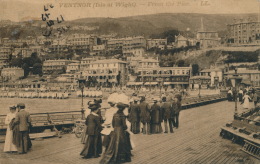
144, 112
134, 113
167, 110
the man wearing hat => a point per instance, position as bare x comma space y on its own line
145, 115
134, 116
167, 114
23, 120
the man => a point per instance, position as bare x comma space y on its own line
134, 116
167, 114
176, 110
23, 120
145, 115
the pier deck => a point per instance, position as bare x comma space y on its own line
196, 141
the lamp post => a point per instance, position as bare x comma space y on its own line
199, 87
235, 81
82, 86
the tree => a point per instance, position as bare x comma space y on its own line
195, 69
26, 69
17, 62
37, 69
180, 63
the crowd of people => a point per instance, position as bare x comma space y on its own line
121, 121
245, 96
108, 135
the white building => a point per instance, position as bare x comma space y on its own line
12, 73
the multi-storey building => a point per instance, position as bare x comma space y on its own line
73, 67
133, 43
244, 31
167, 76
12, 73
136, 52
108, 71
208, 39
85, 63
4, 55
82, 40
155, 43
58, 66
114, 44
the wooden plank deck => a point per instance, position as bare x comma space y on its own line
197, 141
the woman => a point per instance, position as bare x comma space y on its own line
156, 118
84, 135
119, 149
246, 101
93, 146
9, 146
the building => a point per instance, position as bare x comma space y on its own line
249, 77
4, 56
73, 67
181, 41
202, 82
85, 63
172, 77
55, 66
155, 43
131, 43
82, 40
244, 31
114, 44
99, 47
107, 72
215, 74
135, 52
12, 73
208, 39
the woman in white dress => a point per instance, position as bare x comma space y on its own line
9, 146
246, 101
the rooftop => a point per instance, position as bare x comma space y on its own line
108, 61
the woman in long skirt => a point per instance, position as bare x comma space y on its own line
9, 146
93, 146
246, 101
119, 149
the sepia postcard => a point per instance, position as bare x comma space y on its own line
129, 81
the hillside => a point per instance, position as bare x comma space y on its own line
157, 23
140, 25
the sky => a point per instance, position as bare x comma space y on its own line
20, 10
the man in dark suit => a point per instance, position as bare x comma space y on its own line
167, 114
145, 115
23, 120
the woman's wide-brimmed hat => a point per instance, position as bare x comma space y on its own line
12, 107
121, 105
92, 105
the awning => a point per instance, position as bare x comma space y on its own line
246, 82
151, 83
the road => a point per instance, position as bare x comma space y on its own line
197, 141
